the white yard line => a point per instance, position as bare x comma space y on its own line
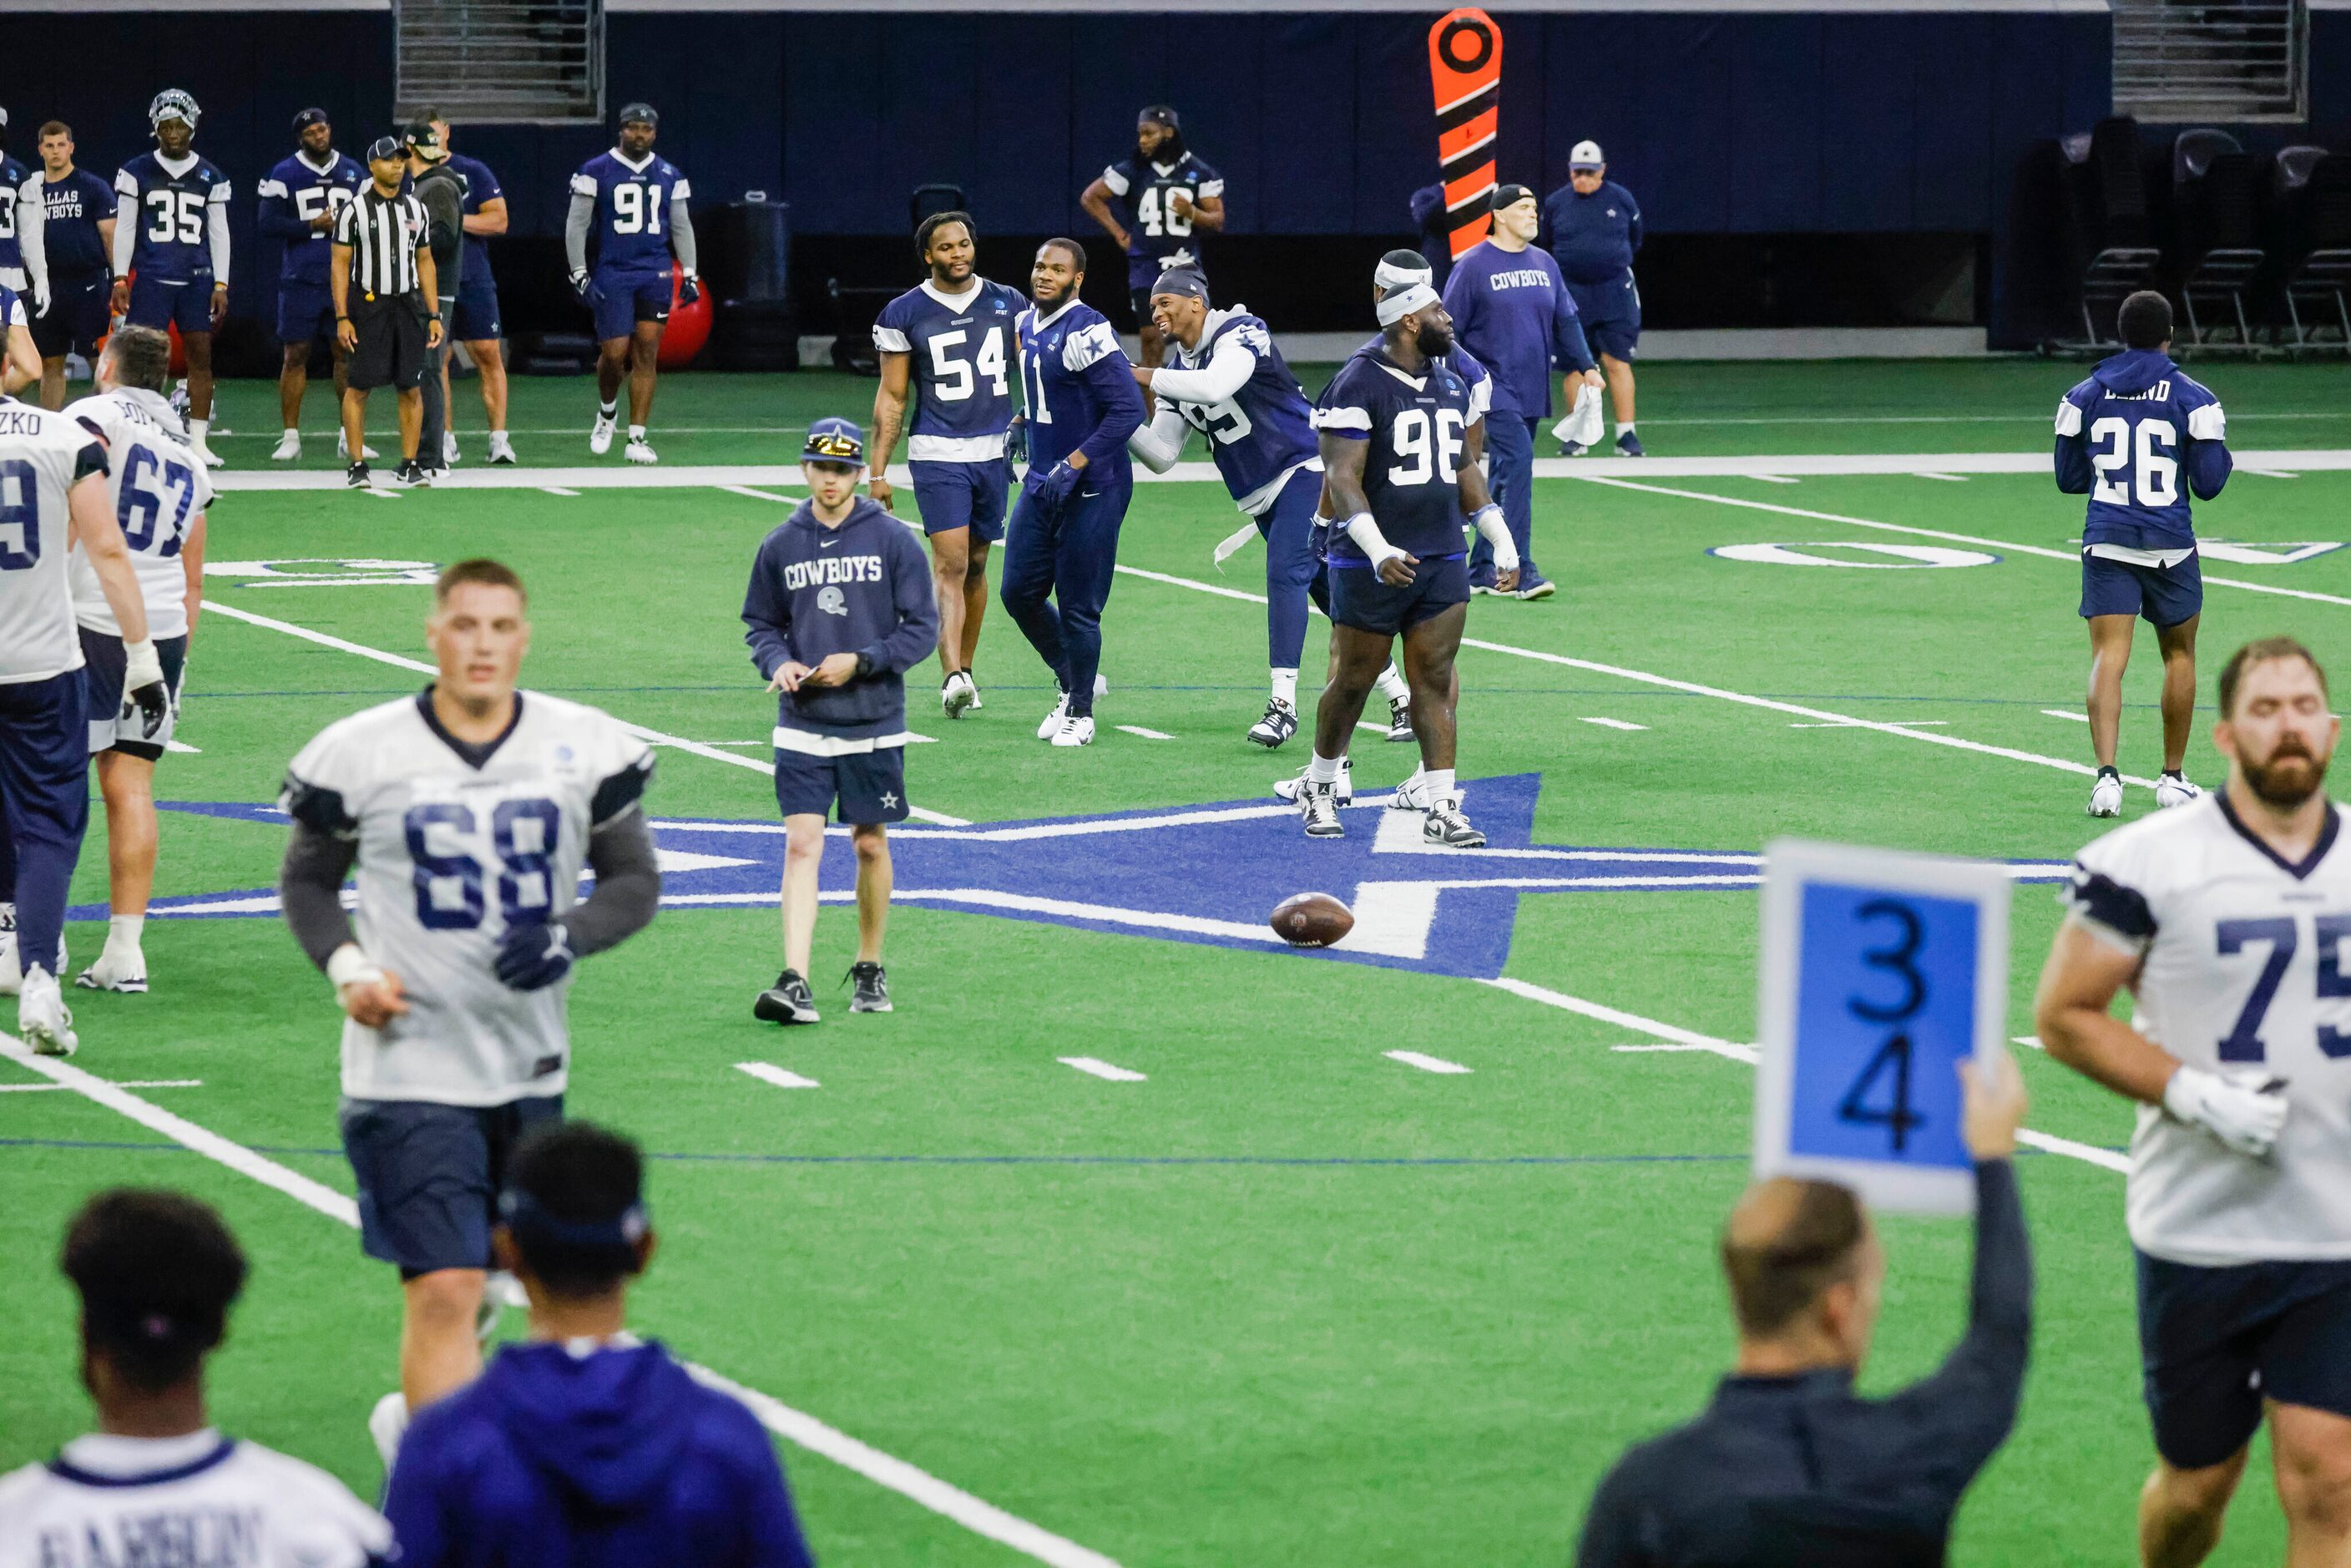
769, 1072
974, 1515
759, 494
400, 661
1905, 723
558, 490
1946, 478
1773, 478
1426, 1063
1094, 1067
118, 1083
2270, 472
1615, 724
2067, 714
1146, 734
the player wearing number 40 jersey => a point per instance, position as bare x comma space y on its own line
469, 810
2228, 920
2127, 438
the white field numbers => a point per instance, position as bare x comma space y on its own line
1155, 209
1883, 971
177, 216
1427, 449
636, 209
952, 378
2125, 463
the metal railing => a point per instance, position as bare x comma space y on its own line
2211, 59
490, 61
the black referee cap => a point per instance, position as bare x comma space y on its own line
384, 147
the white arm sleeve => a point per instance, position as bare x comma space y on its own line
1229, 369
32, 214
1160, 442
216, 234
126, 234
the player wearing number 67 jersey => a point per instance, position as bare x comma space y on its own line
2127, 438
2229, 920
469, 810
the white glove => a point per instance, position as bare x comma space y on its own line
2246, 1110
40, 297
1495, 532
348, 965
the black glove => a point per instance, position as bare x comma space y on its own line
1016, 440
689, 289
153, 702
583, 286
533, 957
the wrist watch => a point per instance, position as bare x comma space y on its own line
864, 664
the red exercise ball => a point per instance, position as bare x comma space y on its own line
689, 325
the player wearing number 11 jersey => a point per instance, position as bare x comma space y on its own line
468, 811
2126, 438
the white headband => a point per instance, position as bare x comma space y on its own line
1389, 276
1396, 307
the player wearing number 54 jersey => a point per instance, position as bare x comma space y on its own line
2229, 920
2127, 438
468, 811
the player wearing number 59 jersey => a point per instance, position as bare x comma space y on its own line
2136, 438
2230, 919
469, 810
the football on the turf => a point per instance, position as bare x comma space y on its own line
1311, 920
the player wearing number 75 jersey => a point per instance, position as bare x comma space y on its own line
2229, 920
2127, 438
468, 811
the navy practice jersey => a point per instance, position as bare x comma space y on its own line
1264, 430
1157, 237
963, 348
168, 210
1080, 389
1460, 362
2127, 437
1417, 427
72, 210
297, 191
480, 186
631, 209
13, 176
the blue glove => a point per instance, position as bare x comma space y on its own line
689, 289
1016, 440
534, 956
1050, 495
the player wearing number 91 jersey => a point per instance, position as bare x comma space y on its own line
2136, 438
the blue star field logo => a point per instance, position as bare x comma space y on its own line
1209, 873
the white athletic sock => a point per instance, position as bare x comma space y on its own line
1391, 685
607, 410
294, 433
196, 429
1325, 769
1441, 782
1285, 686
636, 433
123, 931
1624, 429
1419, 772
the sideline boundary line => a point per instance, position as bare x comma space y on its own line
652, 736
974, 1515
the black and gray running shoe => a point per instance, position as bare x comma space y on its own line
786, 1001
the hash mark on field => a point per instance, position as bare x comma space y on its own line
2031, 1039
1375, 728
1615, 724
1426, 1063
1146, 734
118, 1083
558, 490
769, 1072
2067, 714
1856, 724
1947, 478
758, 494
2271, 473
1099, 1069
1771, 478
183, 746
385, 495
1710, 1050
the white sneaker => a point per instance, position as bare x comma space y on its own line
289, 447
1078, 729
11, 974
343, 449
1445, 825
2106, 796
449, 448
500, 1291
1291, 788
388, 1423
205, 455
2174, 789
116, 970
640, 451
42, 1019
501, 449
1415, 794
1318, 804
1400, 719
976, 703
957, 695
600, 438
1053, 721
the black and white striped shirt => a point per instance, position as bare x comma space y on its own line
384, 233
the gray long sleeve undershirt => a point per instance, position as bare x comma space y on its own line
581, 222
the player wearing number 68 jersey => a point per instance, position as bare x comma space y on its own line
2230, 919
2136, 438
469, 810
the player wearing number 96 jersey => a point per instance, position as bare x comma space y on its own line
2136, 438
2230, 919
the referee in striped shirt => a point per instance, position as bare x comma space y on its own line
385, 292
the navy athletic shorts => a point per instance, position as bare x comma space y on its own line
962, 496
1612, 315
475, 320
2216, 1342
429, 1176
2163, 596
305, 311
103, 664
162, 306
621, 300
78, 316
1359, 598
869, 786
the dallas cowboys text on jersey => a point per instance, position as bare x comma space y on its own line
457, 845
1263, 429
2241, 967
297, 191
962, 348
1415, 426
1158, 236
168, 208
631, 209
158, 488
861, 587
42, 456
2126, 435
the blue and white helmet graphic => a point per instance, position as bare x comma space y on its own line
172, 104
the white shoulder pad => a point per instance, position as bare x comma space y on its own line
1114, 180
1254, 337
126, 182
1212, 188
891, 340
1482, 398
1345, 419
2208, 424
583, 184
1088, 344
682, 190
268, 188
220, 195
2069, 417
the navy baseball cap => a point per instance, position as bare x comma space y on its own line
309, 117
1182, 281
384, 147
1160, 114
1510, 196
833, 440
640, 111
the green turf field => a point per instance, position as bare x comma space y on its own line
1283, 1297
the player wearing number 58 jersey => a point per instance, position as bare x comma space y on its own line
2229, 920
469, 811
2136, 438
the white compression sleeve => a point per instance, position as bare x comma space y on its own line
1227, 371
1160, 442
216, 234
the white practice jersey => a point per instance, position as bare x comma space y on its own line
2245, 968
42, 455
458, 845
106, 1502
158, 489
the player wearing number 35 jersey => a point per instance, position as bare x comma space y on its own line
469, 811
2229, 920
2136, 438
